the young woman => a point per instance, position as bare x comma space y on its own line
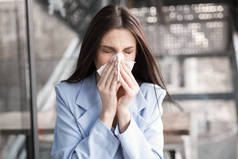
99, 117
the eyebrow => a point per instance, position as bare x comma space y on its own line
112, 48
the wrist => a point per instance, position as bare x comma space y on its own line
124, 119
123, 112
107, 118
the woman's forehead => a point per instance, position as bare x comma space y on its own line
119, 38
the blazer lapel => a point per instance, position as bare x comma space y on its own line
89, 99
88, 96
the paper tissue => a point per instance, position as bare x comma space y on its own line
120, 57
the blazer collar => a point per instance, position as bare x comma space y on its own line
89, 96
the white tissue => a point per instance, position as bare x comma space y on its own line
120, 57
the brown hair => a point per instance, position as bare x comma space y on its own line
111, 17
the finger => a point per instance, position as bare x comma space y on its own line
126, 68
113, 84
124, 81
110, 77
107, 72
118, 84
124, 85
104, 73
106, 68
126, 77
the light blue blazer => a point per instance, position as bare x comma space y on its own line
80, 134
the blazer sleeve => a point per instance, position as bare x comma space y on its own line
138, 144
68, 141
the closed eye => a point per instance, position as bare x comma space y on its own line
107, 51
129, 49
128, 52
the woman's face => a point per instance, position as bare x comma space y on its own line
115, 41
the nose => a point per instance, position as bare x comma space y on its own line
119, 56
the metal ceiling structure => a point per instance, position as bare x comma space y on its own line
78, 13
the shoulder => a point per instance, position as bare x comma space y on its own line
65, 86
153, 96
150, 90
148, 85
67, 90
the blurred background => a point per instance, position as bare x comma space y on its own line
194, 42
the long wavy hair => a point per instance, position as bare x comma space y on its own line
115, 17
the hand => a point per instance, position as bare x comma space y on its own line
125, 95
128, 90
107, 87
